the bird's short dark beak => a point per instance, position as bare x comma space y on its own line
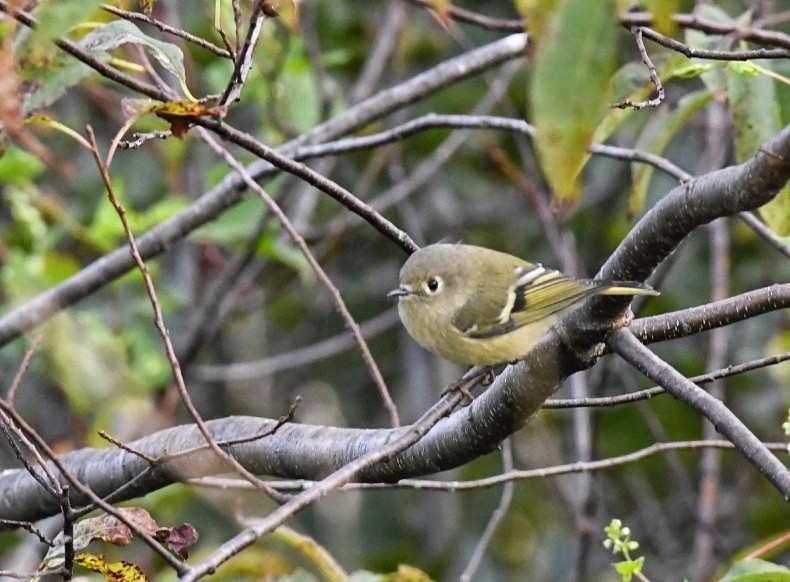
399, 292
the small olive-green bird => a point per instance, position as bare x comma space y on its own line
477, 306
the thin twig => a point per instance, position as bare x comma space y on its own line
206, 319
767, 548
40, 444
407, 438
463, 15
633, 155
164, 27
333, 189
236, 7
275, 209
165, 334
138, 139
111, 439
30, 528
427, 168
766, 233
656, 390
422, 123
162, 236
693, 320
23, 368
386, 39
86, 57
496, 518
692, 21
743, 55
295, 358
243, 61
654, 78
68, 531
710, 460
45, 477
293, 485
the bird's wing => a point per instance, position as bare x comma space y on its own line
535, 294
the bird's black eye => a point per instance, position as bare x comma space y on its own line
433, 284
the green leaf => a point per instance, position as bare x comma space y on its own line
298, 96
55, 82
625, 569
713, 77
536, 14
745, 68
58, 17
693, 69
755, 112
18, 167
662, 11
120, 32
754, 106
655, 137
121, 571
286, 254
756, 571
232, 226
567, 106
92, 371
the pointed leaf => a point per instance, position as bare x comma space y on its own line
570, 91
120, 32
756, 116
56, 18
55, 83
756, 571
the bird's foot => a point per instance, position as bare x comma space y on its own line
460, 386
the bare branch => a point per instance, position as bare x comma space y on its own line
630, 349
164, 27
690, 52
654, 78
772, 37
693, 320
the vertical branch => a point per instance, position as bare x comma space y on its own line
496, 518
710, 459
713, 158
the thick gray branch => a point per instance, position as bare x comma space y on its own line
302, 451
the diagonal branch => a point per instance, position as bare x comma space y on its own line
635, 353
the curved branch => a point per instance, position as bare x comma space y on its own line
311, 452
724, 192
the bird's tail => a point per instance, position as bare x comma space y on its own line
628, 288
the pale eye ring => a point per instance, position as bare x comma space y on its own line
433, 285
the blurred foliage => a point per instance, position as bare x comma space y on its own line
101, 365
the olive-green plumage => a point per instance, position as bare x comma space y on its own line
477, 306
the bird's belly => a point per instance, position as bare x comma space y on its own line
501, 349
